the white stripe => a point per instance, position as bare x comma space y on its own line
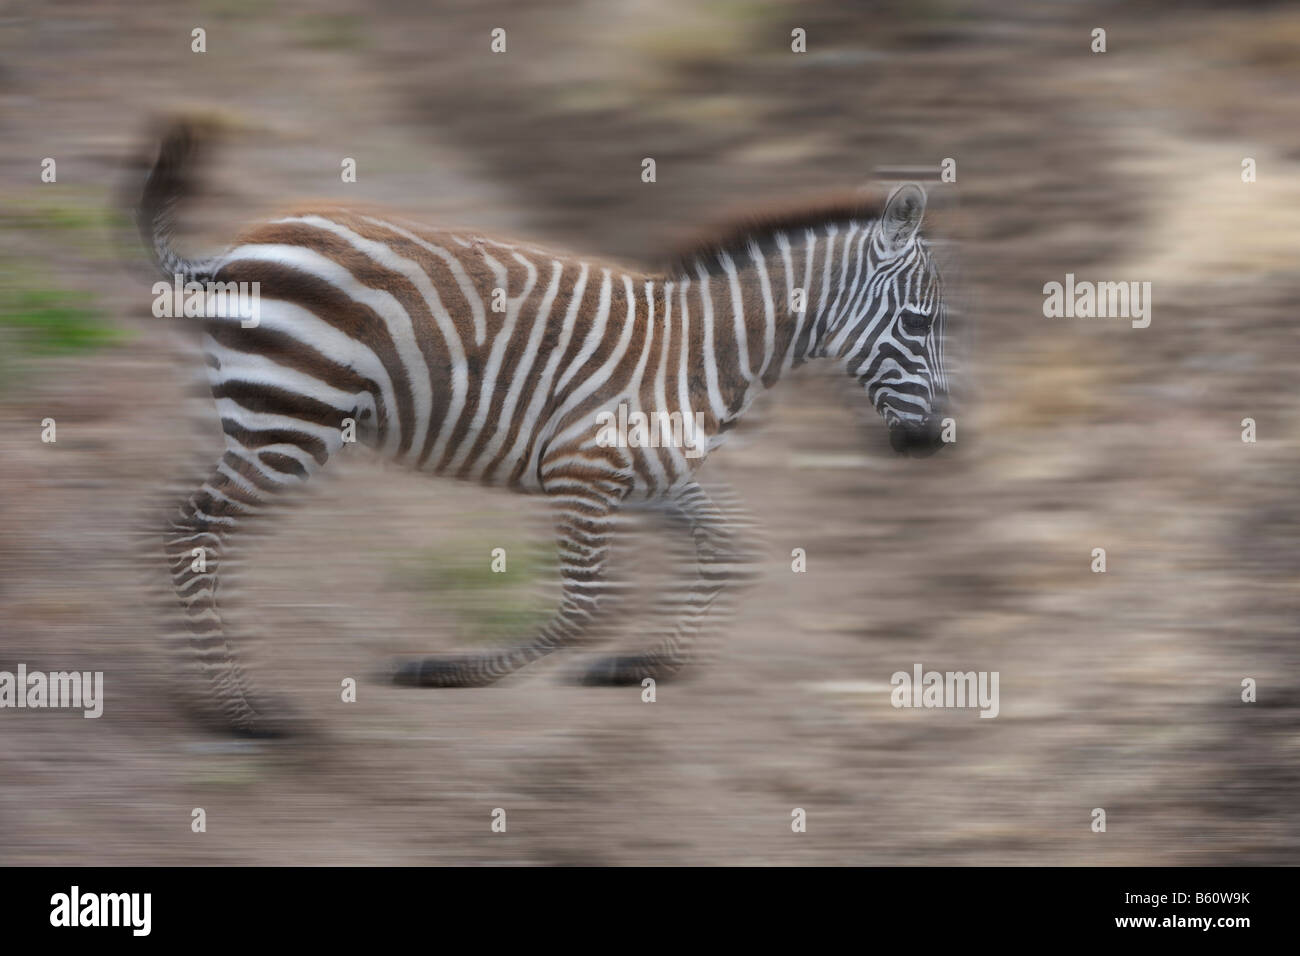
264, 421
769, 308
457, 270
542, 393
809, 247
313, 263
488, 380
716, 403
654, 463
595, 335
257, 369
595, 381
525, 365
738, 318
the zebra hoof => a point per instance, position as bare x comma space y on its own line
617, 672
263, 730
435, 672
269, 720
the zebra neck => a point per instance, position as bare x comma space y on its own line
733, 329
752, 312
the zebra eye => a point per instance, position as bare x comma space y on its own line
915, 323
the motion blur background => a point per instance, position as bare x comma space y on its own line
1118, 690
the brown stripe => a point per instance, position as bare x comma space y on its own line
270, 400
622, 372
247, 470
275, 436
428, 336
516, 277
550, 341
783, 318
514, 355
697, 386
726, 351
613, 331
284, 349
811, 302
334, 307
282, 463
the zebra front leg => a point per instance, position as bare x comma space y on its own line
718, 561
585, 525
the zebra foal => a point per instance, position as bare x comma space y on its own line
495, 362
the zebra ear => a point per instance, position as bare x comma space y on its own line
902, 216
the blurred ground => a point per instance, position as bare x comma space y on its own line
1118, 690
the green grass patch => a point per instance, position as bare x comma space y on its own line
80, 220
55, 322
488, 606
40, 321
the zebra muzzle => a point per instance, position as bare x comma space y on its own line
917, 439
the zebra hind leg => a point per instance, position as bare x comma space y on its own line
197, 546
719, 560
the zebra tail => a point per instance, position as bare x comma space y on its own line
171, 181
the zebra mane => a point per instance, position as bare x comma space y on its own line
733, 235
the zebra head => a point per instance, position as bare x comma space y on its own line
891, 328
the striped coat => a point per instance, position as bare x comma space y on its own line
505, 364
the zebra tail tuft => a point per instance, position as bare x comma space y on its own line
171, 180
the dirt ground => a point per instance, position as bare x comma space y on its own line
1119, 690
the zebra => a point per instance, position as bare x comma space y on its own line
491, 361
